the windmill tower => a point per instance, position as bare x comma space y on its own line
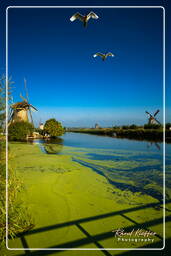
21, 111
152, 118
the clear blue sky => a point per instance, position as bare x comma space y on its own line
66, 82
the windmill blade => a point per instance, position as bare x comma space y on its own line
31, 106
33, 109
25, 86
147, 113
31, 117
12, 100
157, 121
157, 146
10, 114
23, 98
156, 112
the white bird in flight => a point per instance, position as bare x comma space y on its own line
84, 18
103, 56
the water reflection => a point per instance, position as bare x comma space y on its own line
157, 145
128, 165
53, 146
49, 146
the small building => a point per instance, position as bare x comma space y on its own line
41, 126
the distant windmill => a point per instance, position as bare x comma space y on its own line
19, 111
103, 56
151, 118
84, 18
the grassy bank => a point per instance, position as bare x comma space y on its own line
18, 218
138, 134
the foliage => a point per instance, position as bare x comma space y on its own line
133, 126
3, 98
168, 125
53, 128
125, 127
18, 131
138, 134
18, 218
152, 126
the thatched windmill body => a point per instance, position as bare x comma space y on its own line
21, 111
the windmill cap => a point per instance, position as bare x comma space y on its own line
22, 104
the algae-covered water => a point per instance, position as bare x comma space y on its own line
80, 188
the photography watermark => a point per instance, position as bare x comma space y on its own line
135, 235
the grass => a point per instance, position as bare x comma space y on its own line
18, 218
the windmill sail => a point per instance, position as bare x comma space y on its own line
27, 97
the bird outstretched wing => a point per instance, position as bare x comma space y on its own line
92, 15
77, 16
110, 54
98, 54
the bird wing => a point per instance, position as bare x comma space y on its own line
110, 54
77, 16
92, 15
98, 54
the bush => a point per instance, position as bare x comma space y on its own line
168, 125
125, 127
53, 128
152, 126
133, 126
18, 131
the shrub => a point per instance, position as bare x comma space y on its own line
125, 127
168, 125
53, 128
133, 126
152, 126
18, 131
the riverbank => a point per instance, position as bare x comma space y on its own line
67, 197
137, 134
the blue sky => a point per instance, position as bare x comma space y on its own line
66, 82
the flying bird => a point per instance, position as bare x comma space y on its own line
84, 18
103, 56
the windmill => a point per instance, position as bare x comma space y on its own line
19, 111
152, 118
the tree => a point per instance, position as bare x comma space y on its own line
53, 128
3, 98
168, 126
133, 126
19, 131
152, 126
